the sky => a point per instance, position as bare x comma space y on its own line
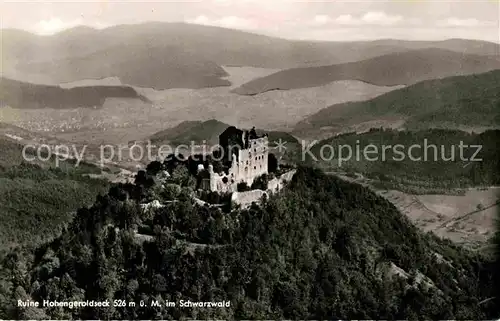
331, 20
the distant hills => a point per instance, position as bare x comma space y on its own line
472, 100
17, 94
155, 67
179, 55
402, 68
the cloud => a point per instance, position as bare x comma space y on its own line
322, 19
381, 18
347, 19
233, 22
378, 18
469, 23
55, 25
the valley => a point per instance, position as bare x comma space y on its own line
277, 232
120, 120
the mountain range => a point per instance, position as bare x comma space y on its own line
178, 55
325, 81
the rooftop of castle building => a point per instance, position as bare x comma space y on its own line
233, 131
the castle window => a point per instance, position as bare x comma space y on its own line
255, 150
256, 158
246, 169
225, 180
255, 167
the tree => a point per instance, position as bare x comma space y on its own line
183, 177
261, 182
242, 187
143, 179
154, 168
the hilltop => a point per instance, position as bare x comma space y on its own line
178, 55
402, 68
322, 248
191, 131
17, 94
209, 131
471, 100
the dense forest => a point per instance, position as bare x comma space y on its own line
38, 198
323, 248
35, 202
436, 163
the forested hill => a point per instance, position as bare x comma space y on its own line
17, 94
400, 68
38, 198
323, 249
471, 101
420, 161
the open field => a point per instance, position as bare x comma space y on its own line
467, 217
240, 75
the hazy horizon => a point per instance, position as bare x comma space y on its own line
246, 31
346, 20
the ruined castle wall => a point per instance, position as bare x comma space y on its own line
253, 161
277, 183
247, 198
250, 164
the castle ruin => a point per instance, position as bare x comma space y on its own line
245, 158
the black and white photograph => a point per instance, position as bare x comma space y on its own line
250, 160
